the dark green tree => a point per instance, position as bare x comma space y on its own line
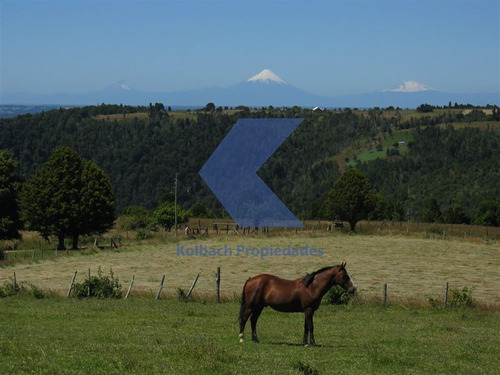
210, 107
432, 212
351, 198
97, 203
487, 213
455, 214
10, 188
68, 197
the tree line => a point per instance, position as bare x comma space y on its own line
142, 154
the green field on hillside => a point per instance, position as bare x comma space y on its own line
380, 152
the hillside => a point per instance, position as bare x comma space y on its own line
450, 154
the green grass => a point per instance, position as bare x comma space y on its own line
139, 336
372, 153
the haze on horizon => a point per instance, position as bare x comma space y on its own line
325, 48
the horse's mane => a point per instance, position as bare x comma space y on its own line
309, 277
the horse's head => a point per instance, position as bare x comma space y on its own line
343, 279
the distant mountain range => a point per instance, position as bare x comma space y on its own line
263, 89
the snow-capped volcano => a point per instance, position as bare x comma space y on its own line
266, 76
121, 85
410, 86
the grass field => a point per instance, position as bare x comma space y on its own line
142, 335
412, 267
138, 336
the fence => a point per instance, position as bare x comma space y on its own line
384, 299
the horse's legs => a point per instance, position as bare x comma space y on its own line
255, 316
306, 332
309, 327
243, 320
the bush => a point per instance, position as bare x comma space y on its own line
337, 296
8, 289
181, 294
141, 234
100, 286
24, 288
462, 298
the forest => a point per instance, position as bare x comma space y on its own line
449, 161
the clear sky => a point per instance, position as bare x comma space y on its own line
324, 47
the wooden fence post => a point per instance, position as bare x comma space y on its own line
217, 285
71, 284
161, 287
14, 282
446, 288
88, 284
385, 294
192, 286
130, 286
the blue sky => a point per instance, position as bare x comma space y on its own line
324, 47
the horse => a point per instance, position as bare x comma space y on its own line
301, 295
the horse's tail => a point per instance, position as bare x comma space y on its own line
243, 302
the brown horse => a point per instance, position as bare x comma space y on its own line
302, 295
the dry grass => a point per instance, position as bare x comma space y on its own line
412, 267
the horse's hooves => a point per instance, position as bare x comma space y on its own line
241, 340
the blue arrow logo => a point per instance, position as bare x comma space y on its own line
231, 172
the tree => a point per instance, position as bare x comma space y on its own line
432, 212
164, 216
351, 198
455, 214
487, 213
97, 202
425, 108
137, 217
210, 107
10, 188
68, 197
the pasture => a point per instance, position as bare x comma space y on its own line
143, 335
415, 268
139, 336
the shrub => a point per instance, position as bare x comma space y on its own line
100, 286
141, 234
462, 298
337, 296
8, 289
181, 294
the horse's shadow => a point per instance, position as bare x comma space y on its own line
282, 343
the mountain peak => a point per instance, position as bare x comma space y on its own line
411, 86
121, 85
266, 76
